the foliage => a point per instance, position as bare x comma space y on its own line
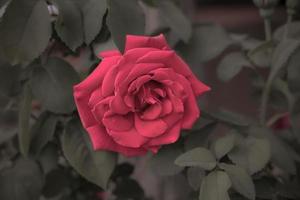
44, 151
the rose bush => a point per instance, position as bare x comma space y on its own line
140, 100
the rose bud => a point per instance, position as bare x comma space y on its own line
137, 101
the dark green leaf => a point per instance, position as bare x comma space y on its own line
175, 19
231, 65
8, 124
22, 182
93, 12
251, 153
24, 120
124, 17
53, 83
199, 138
56, 181
95, 166
25, 30
195, 176
128, 189
208, 41
281, 57
69, 25
43, 132
163, 162
215, 186
9, 79
293, 31
241, 181
294, 73
224, 145
261, 54
48, 158
198, 157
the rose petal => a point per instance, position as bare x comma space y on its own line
135, 85
166, 107
109, 53
108, 82
170, 136
130, 138
95, 98
153, 149
83, 90
151, 128
101, 108
198, 87
117, 105
153, 112
133, 41
102, 141
118, 122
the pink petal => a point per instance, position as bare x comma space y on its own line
166, 107
154, 149
133, 41
130, 138
150, 129
118, 122
198, 87
94, 80
108, 82
110, 53
102, 141
169, 137
153, 112
117, 105
135, 85
95, 98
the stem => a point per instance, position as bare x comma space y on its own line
286, 29
268, 29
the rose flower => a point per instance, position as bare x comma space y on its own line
138, 101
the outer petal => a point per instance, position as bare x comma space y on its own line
102, 141
110, 53
83, 90
133, 41
118, 122
130, 138
198, 87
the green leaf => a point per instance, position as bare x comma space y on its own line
53, 83
93, 12
69, 24
8, 124
24, 120
215, 186
43, 132
224, 145
208, 41
95, 166
9, 79
124, 17
56, 181
199, 138
227, 117
282, 154
163, 162
293, 31
25, 30
281, 57
241, 181
294, 73
195, 176
175, 19
198, 157
231, 65
48, 158
22, 182
251, 153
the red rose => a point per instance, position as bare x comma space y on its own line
140, 100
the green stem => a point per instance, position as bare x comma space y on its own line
268, 29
